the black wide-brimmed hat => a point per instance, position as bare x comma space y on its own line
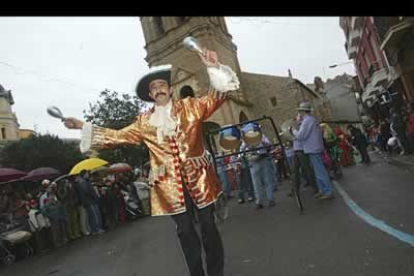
162, 72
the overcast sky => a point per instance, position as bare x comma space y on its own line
67, 61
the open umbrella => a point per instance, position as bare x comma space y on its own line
101, 172
88, 164
10, 181
120, 168
7, 174
56, 180
41, 173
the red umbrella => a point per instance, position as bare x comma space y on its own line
41, 173
120, 168
7, 174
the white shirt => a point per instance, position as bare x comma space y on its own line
161, 119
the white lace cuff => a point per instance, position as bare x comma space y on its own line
223, 78
86, 139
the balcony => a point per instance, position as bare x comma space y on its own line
355, 37
356, 22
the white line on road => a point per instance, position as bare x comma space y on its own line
404, 237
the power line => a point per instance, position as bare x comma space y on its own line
260, 21
24, 71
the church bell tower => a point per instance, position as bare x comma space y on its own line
164, 36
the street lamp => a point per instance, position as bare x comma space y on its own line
339, 64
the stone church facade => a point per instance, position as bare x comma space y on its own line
259, 95
9, 127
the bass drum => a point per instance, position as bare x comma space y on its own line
230, 138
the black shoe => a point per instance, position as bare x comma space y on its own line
272, 203
240, 201
259, 206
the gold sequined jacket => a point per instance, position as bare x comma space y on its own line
180, 159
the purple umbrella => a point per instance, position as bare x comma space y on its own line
7, 174
41, 173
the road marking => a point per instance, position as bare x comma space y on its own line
404, 237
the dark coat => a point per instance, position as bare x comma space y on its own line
87, 194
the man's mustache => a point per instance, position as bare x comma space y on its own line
160, 93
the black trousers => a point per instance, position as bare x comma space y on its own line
302, 165
281, 168
364, 154
190, 240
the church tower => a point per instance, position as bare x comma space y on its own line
9, 128
164, 36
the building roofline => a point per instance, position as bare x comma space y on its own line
264, 75
8, 95
307, 88
287, 78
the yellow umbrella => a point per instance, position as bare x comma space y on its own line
88, 164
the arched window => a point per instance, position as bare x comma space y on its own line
186, 91
3, 133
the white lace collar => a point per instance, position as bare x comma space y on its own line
162, 120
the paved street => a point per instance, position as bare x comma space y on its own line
329, 239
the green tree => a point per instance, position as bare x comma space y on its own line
118, 111
41, 151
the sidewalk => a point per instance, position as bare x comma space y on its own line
405, 161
